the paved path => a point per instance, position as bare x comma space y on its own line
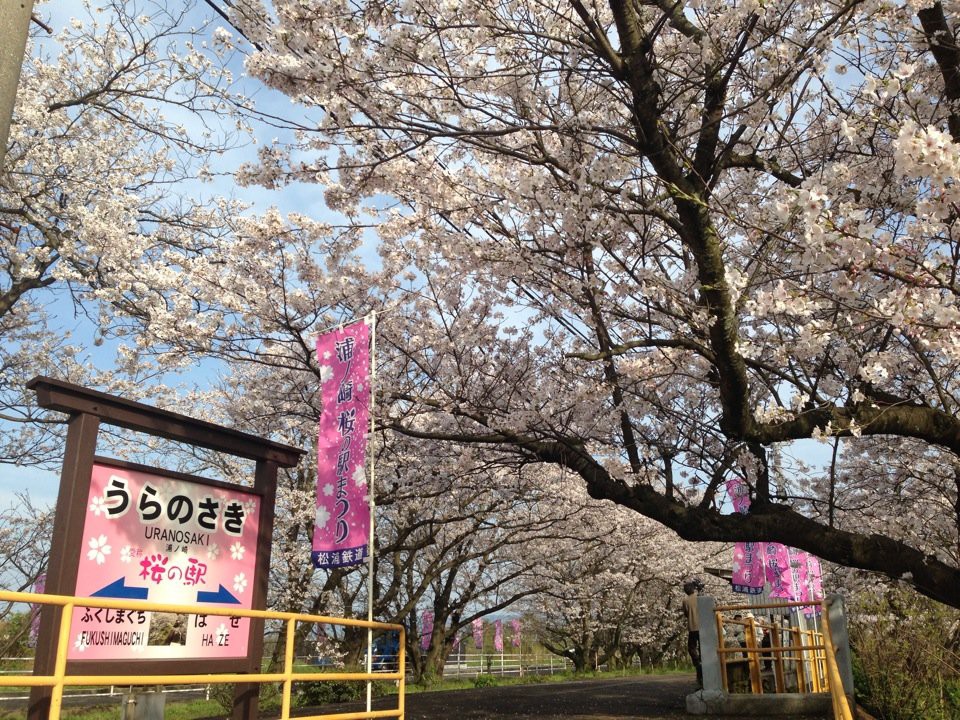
639, 698
645, 697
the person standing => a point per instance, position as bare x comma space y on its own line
691, 589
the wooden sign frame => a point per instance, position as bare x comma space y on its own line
87, 410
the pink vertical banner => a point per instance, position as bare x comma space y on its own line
342, 526
779, 573
478, 634
426, 629
748, 568
515, 624
739, 493
498, 636
38, 587
748, 572
801, 588
814, 582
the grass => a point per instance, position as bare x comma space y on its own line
176, 710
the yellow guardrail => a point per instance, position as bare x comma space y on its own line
841, 705
61, 678
809, 656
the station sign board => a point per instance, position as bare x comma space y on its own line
166, 539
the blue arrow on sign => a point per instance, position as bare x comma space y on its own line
117, 589
220, 596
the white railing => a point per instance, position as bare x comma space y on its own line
471, 664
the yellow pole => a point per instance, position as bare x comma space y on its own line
834, 683
754, 659
288, 668
401, 667
722, 643
60, 666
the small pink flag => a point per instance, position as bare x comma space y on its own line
748, 571
515, 624
426, 629
498, 636
38, 587
478, 634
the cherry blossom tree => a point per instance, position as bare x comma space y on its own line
25, 531
474, 547
117, 118
461, 535
25, 535
458, 533
652, 243
616, 595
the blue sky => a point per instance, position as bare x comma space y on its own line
43, 485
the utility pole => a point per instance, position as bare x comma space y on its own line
13, 42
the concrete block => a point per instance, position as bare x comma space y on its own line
143, 706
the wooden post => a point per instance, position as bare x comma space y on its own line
724, 657
775, 645
246, 696
67, 549
796, 638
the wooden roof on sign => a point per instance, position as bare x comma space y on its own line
74, 399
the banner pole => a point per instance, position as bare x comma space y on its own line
372, 503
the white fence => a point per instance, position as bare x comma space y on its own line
471, 664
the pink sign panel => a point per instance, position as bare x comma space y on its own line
342, 524
156, 538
